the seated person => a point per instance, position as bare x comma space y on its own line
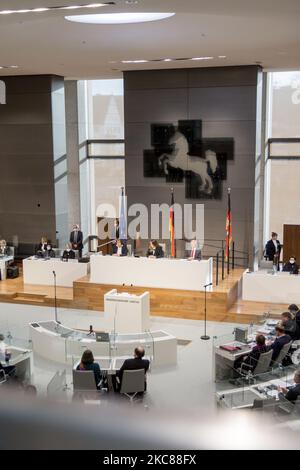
137, 362
155, 250
8, 370
290, 325
68, 252
87, 363
291, 267
119, 248
295, 312
42, 246
250, 360
4, 249
281, 339
293, 309
49, 253
293, 393
194, 252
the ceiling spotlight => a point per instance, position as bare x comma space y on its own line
222, 56
62, 7
119, 18
201, 58
137, 61
167, 60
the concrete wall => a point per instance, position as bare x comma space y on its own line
27, 198
225, 99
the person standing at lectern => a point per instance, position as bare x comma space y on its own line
76, 240
194, 252
273, 248
291, 267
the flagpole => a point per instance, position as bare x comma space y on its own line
229, 229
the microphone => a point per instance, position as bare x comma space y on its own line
207, 285
54, 273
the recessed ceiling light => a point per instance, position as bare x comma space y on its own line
202, 58
137, 61
222, 56
62, 7
119, 18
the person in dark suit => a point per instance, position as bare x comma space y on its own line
281, 339
291, 267
290, 325
116, 229
250, 360
42, 247
119, 249
76, 239
155, 250
88, 363
194, 253
273, 248
49, 253
137, 362
293, 393
68, 253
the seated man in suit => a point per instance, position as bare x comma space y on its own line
290, 325
76, 239
68, 252
194, 252
293, 393
137, 362
281, 339
250, 360
273, 247
119, 248
155, 250
291, 267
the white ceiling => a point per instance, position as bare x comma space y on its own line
246, 31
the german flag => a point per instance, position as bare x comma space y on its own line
228, 228
172, 227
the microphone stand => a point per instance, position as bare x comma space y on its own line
205, 336
55, 297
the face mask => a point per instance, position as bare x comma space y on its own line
68, 249
292, 261
48, 247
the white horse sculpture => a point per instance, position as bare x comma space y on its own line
180, 158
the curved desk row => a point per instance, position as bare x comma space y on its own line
58, 343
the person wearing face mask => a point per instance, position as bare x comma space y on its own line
42, 247
68, 253
50, 253
291, 267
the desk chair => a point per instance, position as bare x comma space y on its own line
289, 407
283, 353
2, 377
133, 382
84, 380
262, 366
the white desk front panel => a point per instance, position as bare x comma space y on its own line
261, 286
148, 272
39, 271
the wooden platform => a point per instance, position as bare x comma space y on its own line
222, 304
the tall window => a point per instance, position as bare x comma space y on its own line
106, 144
283, 167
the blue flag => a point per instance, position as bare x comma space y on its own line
122, 217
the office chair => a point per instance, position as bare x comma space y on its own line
262, 366
3, 377
84, 380
133, 382
283, 353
